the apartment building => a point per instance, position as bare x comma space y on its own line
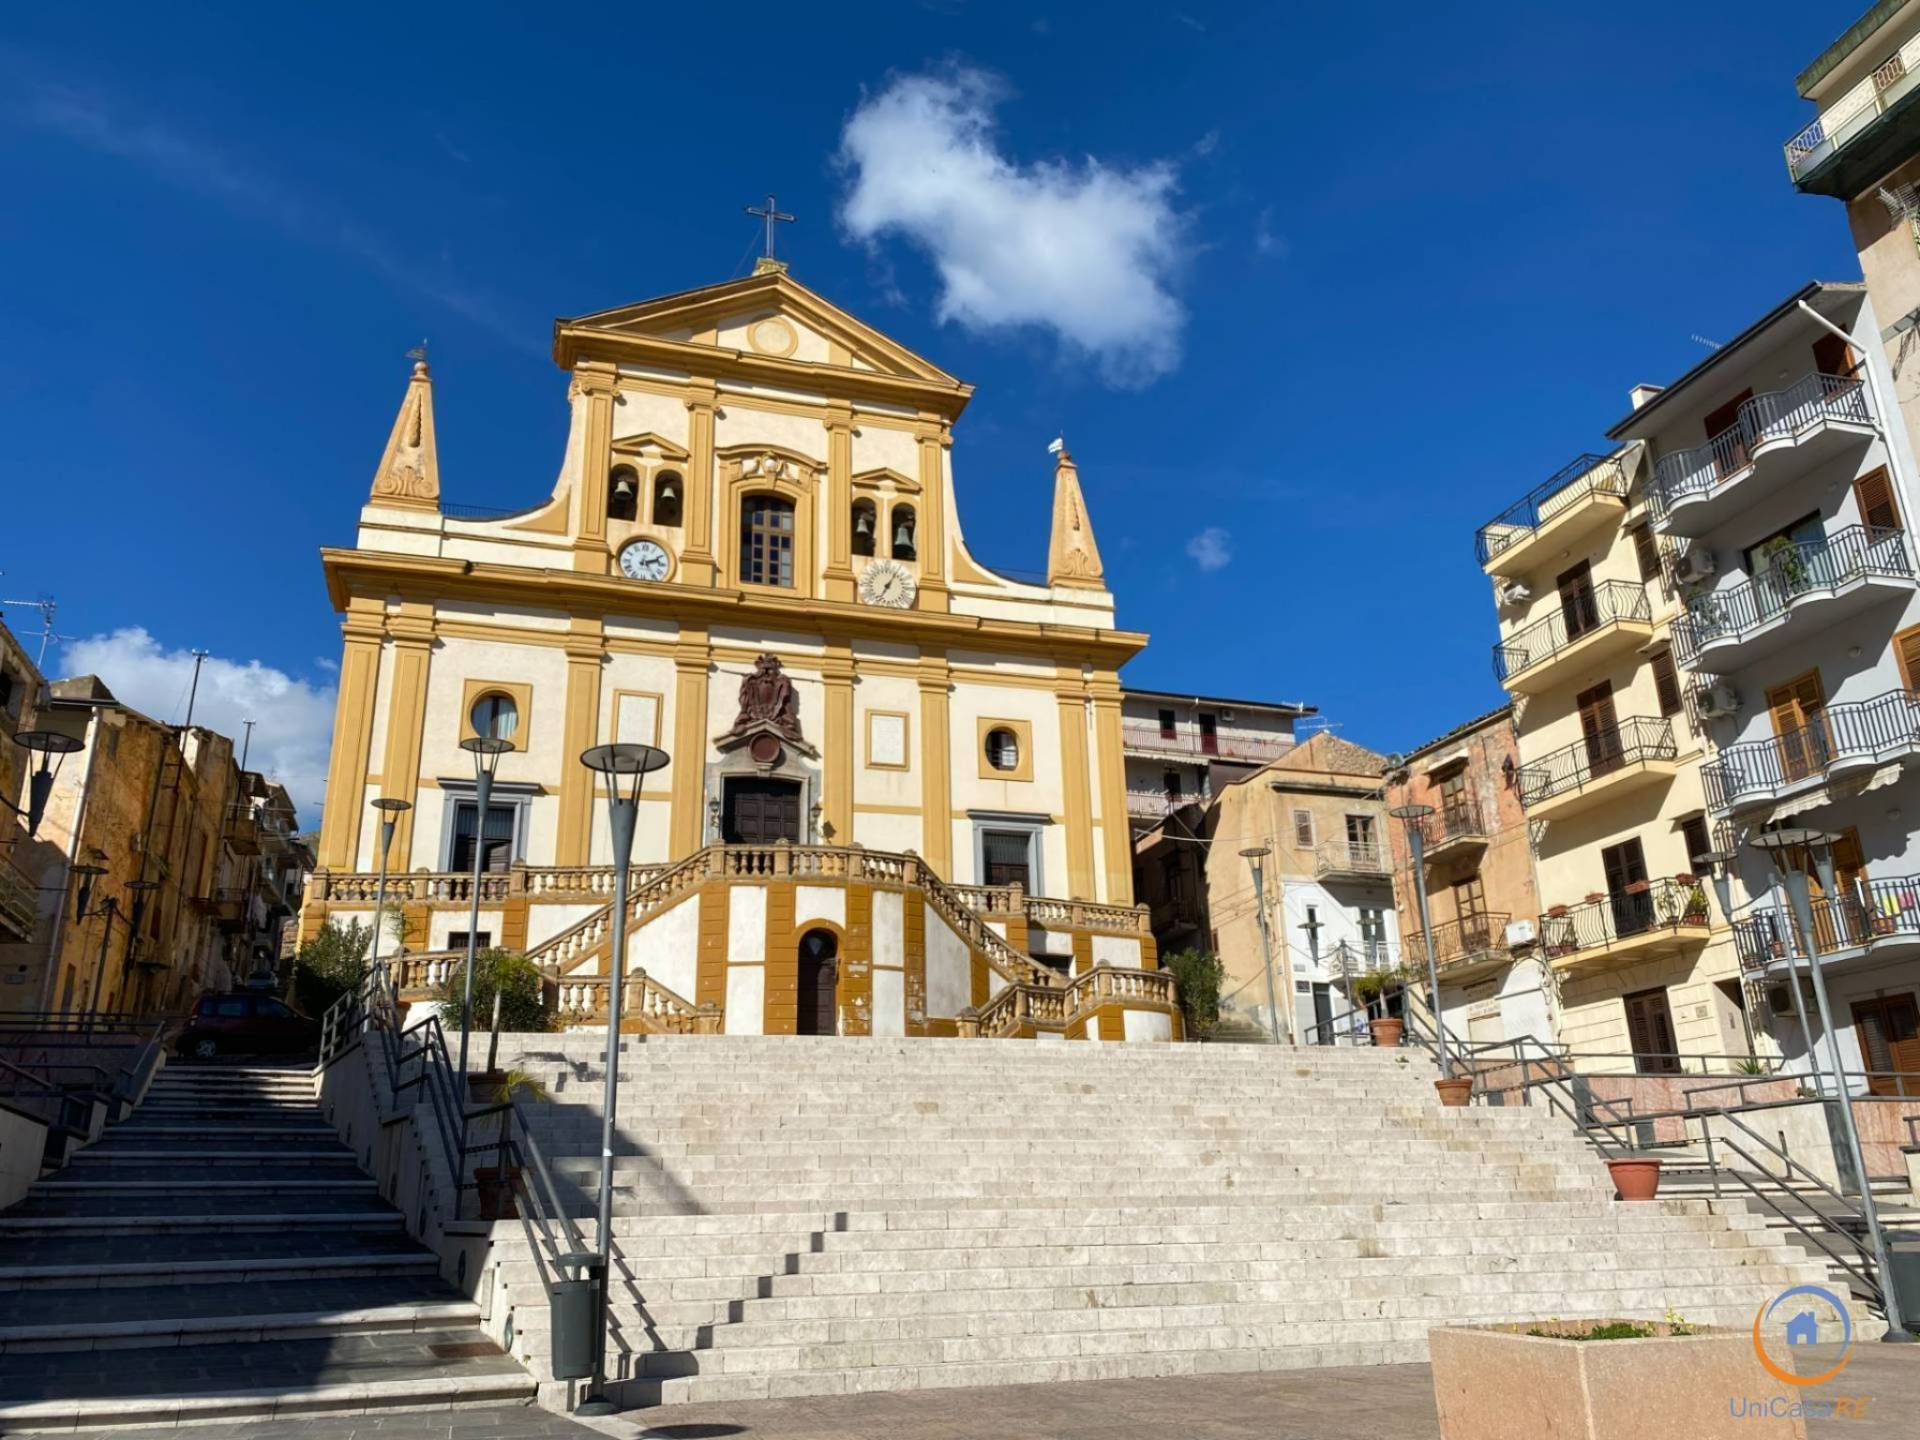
1320, 813
1785, 484
25, 909
1863, 149
1179, 750
1483, 905
1643, 971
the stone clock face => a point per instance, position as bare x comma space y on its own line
644, 560
886, 583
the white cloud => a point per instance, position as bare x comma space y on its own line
1084, 250
291, 740
1211, 549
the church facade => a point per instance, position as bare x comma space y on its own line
895, 800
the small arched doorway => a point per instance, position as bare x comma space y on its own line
818, 1008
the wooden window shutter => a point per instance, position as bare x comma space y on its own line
1666, 683
1303, 829
1833, 356
1874, 494
1639, 1032
1906, 649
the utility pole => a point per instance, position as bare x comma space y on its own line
199, 659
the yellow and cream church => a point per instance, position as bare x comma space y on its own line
895, 800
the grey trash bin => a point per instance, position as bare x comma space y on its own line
1903, 1251
573, 1311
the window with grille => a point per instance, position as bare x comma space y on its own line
497, 844
766, 541
1003, 749
1009, 857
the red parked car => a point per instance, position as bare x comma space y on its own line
247, 1023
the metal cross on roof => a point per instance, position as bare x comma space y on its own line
771, 214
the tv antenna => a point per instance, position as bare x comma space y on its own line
46, 606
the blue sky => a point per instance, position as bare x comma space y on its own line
1334, 293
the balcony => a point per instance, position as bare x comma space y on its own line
1470, 944
1804, 586
1649, 918
1601, 767
1158, 804
1777, 436
1854, 143
1352, 861
1589, 626
1587, 495
1143, 737
1877, 920
1454, 831
1842, 740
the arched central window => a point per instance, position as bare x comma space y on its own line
766, 541
667, 490
865, 521
623, 494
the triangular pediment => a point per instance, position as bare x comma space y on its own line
769, 314
648, 443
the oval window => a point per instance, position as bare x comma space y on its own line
494, 716
1003, 749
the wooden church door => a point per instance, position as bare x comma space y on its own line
818, 1007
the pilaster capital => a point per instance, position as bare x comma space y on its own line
595, 378
702, 394
838, 416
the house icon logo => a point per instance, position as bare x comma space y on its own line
1802, 1327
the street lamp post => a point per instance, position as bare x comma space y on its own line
390, 812
1719, 866
1411, 815
53, 748
1253, 855
623, 768
486, 751
1791, 848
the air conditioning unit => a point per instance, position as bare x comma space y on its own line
1718, 701
1695, 564
1779, 1000
1519, 932
1226, 715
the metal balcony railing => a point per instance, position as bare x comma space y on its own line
1641, 910
1188, 742
1881, 728
1458, 819
1854, 111
1777, 415
1353, 857
1606, 752
1870, 911
1470, 938
1580, 614
1573, 483
1792, 572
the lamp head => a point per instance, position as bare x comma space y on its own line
624, 766
53, 748
1412, 814
486, 751
392, 806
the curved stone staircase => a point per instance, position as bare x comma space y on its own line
799, 1216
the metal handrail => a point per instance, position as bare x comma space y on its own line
1605, 752
372, 1006
1811, 400
1792, 572
1580, 613
1667, 903
1863, 730
1581, 477
1871, 911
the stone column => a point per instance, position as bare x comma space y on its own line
352, 733
1116, 835
1071, 697
573, 841
696, 561
836, 751
839, 569
934, 438
691, 659
936, 766
597, 382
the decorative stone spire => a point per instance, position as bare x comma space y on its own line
409, 473
1072, 557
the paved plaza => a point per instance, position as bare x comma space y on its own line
1382, 1402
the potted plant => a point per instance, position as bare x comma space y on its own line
1594, 897
499, 1184
1556, 912
1455, 1091
1583, 1379
1387, 1030
1637, 887
1636, 1177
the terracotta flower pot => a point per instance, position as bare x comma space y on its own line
1635, 1178
1456, 1092
1387, 1033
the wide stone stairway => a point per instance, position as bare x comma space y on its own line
799, 1216
220, 1255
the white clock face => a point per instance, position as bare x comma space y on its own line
886, 583
643, 560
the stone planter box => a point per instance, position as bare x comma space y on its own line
1496, 1382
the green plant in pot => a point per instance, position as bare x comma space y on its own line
498, 1184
